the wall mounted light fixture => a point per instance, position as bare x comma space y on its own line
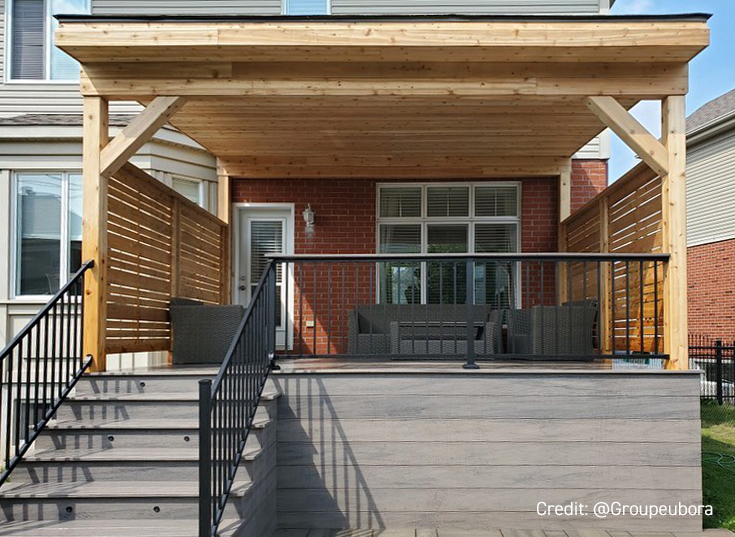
309, 217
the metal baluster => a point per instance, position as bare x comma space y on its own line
301, 309
314, 351
469, 300
18, 397
599, 308
36, 382
627, 307
655, 308
205, 458
329, 307
643, 328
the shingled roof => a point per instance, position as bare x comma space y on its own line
59, 120
719, 108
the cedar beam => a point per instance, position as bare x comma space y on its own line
630, 130
94, 230
138, 133
673, 227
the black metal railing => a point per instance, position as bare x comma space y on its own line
472, 306
39, 368
716, 359
228, 405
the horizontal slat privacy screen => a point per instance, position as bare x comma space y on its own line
160, 245
626, 218
27, 51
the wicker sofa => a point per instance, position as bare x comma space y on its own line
422, 330
565, 330
202, 333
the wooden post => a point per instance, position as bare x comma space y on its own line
565, 211
94, 230
673, 227
224, 210
607, 314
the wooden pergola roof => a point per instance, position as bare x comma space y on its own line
387, 97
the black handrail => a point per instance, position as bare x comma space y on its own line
228, 405
553, 306
39, 368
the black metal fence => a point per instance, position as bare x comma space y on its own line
469, 307
39, 368
228, 405
716, 359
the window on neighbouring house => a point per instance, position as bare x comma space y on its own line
48, 230
306, 7
33, 55
448, 219
189, 188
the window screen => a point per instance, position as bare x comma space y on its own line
306, 7
28, 20
400, 202
496, 201
448, 201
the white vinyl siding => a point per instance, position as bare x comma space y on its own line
711, 190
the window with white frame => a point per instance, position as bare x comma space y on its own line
48, 230
32, 54
306, 7
191, 189
442, 219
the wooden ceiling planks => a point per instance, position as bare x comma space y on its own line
404, 99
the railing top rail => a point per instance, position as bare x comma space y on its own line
231, 351
560, 256
43, 311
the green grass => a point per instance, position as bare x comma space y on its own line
718, 464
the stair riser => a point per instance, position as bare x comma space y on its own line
101, 411
86, 440
75, 472
131, 438
102, 509
147, 385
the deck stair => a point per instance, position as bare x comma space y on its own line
121, 459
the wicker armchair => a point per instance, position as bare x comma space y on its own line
566, 330
202, 334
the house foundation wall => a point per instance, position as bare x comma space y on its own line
479, 451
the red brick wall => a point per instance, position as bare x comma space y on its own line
712, 289
589, 178
345, 223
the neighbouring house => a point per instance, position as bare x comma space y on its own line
414, 308
710, 218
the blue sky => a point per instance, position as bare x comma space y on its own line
712, 73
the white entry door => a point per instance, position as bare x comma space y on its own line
264, 232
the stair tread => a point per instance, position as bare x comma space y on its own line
122, 423
111, 489
139, 424
116, 454
164, 371
106, 528
173, 397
